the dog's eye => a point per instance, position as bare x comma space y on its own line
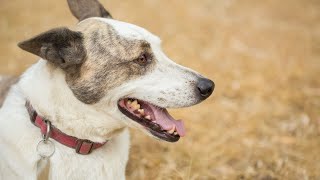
143, 59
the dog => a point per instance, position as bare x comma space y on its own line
93, 81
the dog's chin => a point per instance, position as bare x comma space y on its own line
157, 121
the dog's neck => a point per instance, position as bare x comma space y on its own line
45, 87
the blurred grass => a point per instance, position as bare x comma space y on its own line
263, 121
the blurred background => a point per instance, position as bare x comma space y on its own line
263, 120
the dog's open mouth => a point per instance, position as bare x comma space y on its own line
155, 119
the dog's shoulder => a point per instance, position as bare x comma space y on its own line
5, 84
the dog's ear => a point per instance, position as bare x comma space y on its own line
83, 9
61, 46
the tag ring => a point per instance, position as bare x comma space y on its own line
47, 134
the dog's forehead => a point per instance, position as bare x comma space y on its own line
130, 31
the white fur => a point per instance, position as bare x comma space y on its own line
50, 95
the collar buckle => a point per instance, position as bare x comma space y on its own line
84, 146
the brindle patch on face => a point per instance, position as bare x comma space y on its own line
109, 63
5, 84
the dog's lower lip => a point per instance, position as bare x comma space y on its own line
154, 128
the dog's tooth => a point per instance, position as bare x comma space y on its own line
135, 105
175, 133
172, 129
141, 111
135, 102
148, 117
129, 102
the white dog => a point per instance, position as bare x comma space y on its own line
91, 83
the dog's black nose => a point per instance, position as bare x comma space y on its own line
205, 87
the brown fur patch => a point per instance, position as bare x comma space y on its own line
5, 84
110, 61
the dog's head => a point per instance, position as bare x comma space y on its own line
119, 68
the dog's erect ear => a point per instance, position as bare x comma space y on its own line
60, 46
83, 9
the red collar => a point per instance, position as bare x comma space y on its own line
82, 146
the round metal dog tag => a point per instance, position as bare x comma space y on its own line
45, 148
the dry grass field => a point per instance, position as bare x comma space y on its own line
263, 120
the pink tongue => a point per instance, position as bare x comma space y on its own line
166, 121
